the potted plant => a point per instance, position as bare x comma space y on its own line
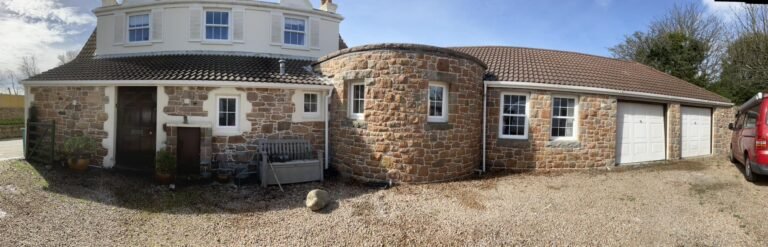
165, 167
78, 152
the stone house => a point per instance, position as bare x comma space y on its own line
239, 71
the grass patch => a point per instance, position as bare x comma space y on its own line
663, 166
11, 122
704, 187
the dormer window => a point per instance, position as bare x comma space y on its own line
138, 28
217, 25
295, 31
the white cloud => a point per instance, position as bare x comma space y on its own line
725, 10
40, 28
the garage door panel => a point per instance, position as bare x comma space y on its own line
696, 131
641, 135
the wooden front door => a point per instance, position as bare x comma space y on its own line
136, 124
188, 151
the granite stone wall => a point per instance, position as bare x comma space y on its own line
595, 146
271, 118
77, 111
674, 132
721, 135
395, 141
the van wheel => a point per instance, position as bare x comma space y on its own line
748, 170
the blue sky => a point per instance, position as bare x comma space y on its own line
47, 28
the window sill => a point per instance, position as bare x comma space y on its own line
135, 44
355, 123
295, 47
215, 42
564, 144
438, 126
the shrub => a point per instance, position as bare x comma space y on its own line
165, 163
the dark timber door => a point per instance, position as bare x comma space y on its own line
136, 123
188, 151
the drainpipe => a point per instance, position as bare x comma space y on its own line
485, 119
327, 118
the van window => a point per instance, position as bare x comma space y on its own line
751, 120
740, 121
752, 114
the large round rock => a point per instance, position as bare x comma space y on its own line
317, 199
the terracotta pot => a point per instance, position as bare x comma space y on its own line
164, 178
78, 165
223, 178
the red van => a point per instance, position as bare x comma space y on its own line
750, 133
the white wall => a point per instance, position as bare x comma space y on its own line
176, 28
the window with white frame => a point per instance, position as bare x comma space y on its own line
138, 28
357, 100
295, 31
564, 113
438, 103
216, 25
311, 102
227, 111
513, 123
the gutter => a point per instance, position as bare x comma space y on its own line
485, 121
327, 119
579, 89
136, 83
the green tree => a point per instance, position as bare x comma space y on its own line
684, 43
745, 62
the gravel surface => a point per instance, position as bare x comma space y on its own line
701, 202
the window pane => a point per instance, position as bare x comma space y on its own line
231, 119
208, 17
231, 105
222, 105
222, 119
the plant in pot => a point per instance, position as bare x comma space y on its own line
165, 167
78, 151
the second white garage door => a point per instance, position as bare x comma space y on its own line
640, 133
696, 131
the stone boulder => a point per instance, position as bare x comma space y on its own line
318, 199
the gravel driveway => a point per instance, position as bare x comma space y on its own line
704, 202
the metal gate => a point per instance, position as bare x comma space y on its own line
41, 142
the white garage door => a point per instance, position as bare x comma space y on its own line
640, 133
697, 131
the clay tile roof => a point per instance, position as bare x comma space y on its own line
179, 67
575, 69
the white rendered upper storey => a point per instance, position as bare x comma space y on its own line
290, 28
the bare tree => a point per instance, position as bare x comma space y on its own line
13, 80
67, 57
28, 67
692, 21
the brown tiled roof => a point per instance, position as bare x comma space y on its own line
575, 69
179, 67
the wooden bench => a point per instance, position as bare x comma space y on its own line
289, 161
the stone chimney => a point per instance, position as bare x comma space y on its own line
105, 3
328, 5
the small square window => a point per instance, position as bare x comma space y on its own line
227, 112
357, 101
438, 103
294, 31
138, 28
217, 25
513, 123
310, 103
563, 117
